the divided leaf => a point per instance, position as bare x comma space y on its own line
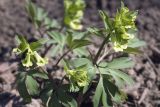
66, 99
39, 74
54, 101
119, 74
135, 43
106, 20
121, 63
22, 89
38, 44
45, 95
32, 85
98, 93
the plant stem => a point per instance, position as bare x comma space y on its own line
100, 49
79, 99
62, 57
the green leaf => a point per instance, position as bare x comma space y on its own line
30, 7
23, 43
134, 43
59, 40
109, 86
78, 62
132, 50
119, 81
80, 43
123, 76
82, 51
69, 40
54, 101
121, 63
119, 97
95, 31
98, 93
78, 34
18, 41
54, 50
58, 37
22, 89
51, 23
106, 99
66, 99
106, 20
37, 73
41, 14
32, 85
38, 44
45, 95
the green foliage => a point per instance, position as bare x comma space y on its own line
84, 69
121, 63
74, 13
39, 16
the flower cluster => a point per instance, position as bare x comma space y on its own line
74, 13
124, 28
78, 77
31, 56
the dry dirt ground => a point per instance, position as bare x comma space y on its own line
146, 73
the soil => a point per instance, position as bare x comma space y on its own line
146, 73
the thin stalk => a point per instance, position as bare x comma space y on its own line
62, 57
100, 49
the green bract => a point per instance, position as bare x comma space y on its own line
27, 50
122, 28
79, 77
74, 13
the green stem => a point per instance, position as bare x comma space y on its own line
100, 49
62, 57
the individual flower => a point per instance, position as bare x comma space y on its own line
39, 60
78, 76
27, 61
